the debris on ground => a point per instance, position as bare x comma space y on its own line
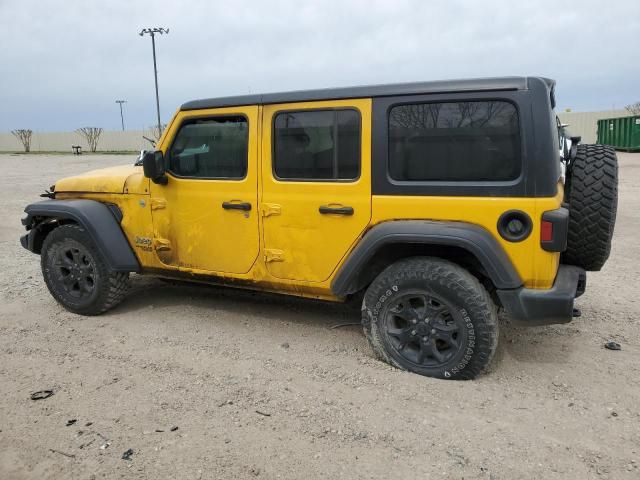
340, 325
263, 413
105, 445
71, 422
88, 424
84, 445
612, 346
70, 455
172, 429
127, 455
41, 394
284, 345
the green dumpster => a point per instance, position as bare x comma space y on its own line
622, 133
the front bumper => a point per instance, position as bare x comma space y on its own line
529, 306
28, 240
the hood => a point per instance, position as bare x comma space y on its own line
123, 179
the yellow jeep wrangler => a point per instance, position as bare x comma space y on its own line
436, 202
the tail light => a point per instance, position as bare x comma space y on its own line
553, 230
546, 231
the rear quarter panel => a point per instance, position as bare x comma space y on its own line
536, 267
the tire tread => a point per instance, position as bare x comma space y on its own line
592, 193
476, 300
112, 290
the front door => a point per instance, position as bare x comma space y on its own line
316, 176
206, 216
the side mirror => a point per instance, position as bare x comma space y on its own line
574, 147
153, 166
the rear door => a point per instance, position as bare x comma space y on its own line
316, 198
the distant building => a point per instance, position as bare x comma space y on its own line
585, 124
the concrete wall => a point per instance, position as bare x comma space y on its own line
585, 124
62, 141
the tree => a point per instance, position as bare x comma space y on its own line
25, 137
634, 108
91, 135
157, 133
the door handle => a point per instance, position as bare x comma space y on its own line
235, 205
327, 210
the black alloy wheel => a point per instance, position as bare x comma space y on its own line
423, 329
430, 316
75, 271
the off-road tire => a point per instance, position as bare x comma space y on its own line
592, 193
471, 310
106, 289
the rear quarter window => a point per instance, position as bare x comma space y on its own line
454, 141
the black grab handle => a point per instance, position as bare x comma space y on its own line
246, 206
327, 210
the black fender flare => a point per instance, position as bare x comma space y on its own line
98, 219
476, 240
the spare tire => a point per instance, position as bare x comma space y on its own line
592, 193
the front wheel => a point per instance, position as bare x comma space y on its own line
431, 317
76, 274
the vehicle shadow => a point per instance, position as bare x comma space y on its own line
169, 294
539, 345
553, 344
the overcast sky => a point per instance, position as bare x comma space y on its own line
64, 63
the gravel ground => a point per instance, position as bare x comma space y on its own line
260, 386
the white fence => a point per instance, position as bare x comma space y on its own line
584, 124
62, 141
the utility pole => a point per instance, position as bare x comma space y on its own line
121, 116
153, 31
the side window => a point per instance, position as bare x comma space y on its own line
454, 141
317, 145
211, 148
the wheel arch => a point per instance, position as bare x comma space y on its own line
101, 221
470, 246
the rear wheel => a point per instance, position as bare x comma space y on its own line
431, 317
592, 194
76, 274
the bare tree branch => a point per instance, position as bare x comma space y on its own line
91, 135
634, 108
25, 138
155, 133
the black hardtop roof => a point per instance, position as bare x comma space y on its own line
440, 86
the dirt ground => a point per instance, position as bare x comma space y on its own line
260, 386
